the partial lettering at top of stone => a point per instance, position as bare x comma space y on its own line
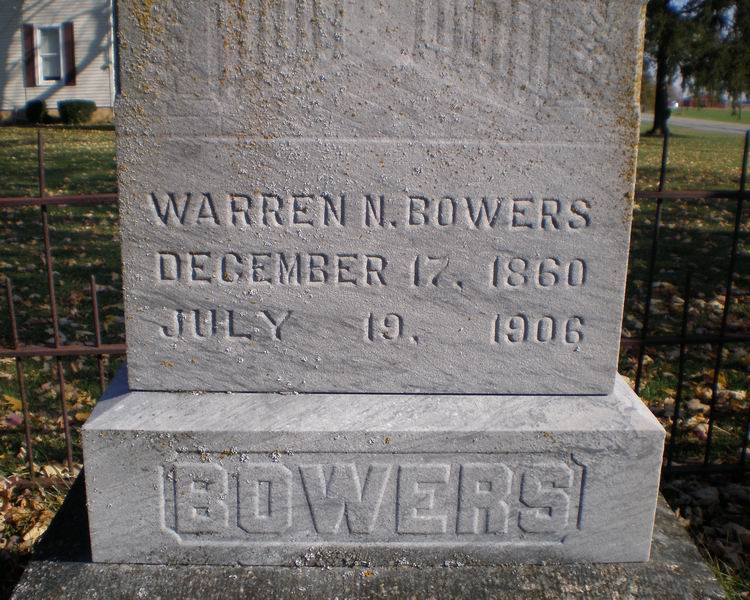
398, 196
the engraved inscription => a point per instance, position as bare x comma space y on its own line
342, 496
520, 45
227, 323
553, 272
544, 491
266, 265
483, 497
271, 32
273, 268
401, 499
516, 44
266, 498
508, 41
421, 498
298, 211
429, 269
541, 330
200, 492
386, 329
310, 27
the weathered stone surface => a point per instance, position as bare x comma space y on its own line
63, 569
395, 196
276, 479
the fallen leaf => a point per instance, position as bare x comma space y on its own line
33, 534
13, 402
53, 471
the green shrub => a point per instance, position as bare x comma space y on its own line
73, 112
36, 111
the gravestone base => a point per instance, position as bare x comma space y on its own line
331, 480
62, 568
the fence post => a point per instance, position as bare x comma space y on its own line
53, 299
41, 171
21, 378
97, 332
680, 374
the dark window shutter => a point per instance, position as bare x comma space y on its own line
69, 54
29, 56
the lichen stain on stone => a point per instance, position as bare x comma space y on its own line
142, 14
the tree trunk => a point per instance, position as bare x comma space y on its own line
661, 108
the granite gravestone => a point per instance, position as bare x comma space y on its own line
348, 228
429, 196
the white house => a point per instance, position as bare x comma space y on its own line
56, 50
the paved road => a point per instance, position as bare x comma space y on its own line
703, 125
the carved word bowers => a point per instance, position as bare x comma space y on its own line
538, 501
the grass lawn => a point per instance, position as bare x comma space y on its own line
714, 114
697, 160
78, 161
695, 235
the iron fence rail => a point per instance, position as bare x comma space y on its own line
58, 350
81, 200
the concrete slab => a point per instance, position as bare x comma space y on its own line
275, 479
385, 197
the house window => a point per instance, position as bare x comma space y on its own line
49, 54
49, 43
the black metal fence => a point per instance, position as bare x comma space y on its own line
58, 350
20, 351
684, 339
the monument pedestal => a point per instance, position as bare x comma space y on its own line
62, 568
391, 480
